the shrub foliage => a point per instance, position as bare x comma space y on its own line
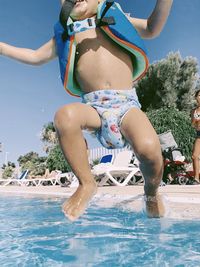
179, 123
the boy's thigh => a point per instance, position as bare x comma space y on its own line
138, 130
80, 114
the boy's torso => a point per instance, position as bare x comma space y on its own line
100, 63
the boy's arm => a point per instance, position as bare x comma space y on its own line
29, 56
151, 27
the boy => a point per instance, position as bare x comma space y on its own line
103, 76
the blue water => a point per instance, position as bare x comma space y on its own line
34, 232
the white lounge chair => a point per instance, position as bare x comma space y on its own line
106, 159
20, 180
63, 179
52, 179
120, 172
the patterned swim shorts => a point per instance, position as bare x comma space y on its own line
112, 106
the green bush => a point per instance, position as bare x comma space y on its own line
56, 160
7, 172
33, 162
179, 123
169, 82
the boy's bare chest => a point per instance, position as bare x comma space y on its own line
96, 56
94, 41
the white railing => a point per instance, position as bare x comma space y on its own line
97, 153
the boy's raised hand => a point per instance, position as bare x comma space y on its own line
0, 48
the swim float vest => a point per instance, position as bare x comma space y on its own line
122, 33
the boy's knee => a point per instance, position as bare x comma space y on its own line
149, 152
65, 119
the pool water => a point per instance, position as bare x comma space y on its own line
34, 232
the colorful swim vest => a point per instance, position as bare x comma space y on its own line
122, 32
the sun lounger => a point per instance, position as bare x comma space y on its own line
21, 180
52, 179
63, 179
106, 159
120, 172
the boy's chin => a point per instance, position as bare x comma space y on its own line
81, 16
76, 17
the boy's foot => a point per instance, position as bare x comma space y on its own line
75, 206
154, 206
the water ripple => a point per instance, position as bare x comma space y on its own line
34, 232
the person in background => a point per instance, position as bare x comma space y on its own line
195, 117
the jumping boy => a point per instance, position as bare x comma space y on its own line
101, 54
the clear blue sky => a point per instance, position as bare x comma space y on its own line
31, 95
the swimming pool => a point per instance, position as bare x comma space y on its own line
34, 232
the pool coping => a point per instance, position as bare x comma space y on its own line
182, 201
169, 190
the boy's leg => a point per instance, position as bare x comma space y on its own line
137, 129
69, 121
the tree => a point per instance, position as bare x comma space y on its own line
55, 157
187, 83
33, 162
56, 160
10, 164
170, 82
179, 123
8, 170
49, 136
